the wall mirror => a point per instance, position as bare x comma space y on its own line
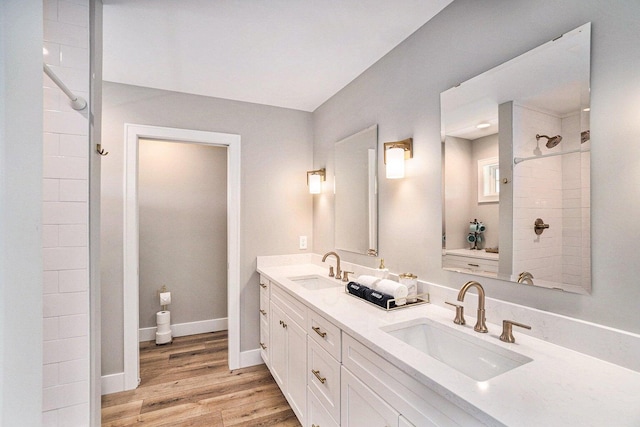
356, 195
532, 115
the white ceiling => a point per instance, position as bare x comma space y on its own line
288, 53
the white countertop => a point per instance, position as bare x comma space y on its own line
470, 253
560, 387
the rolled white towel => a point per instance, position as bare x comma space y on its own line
368, 281
395, 289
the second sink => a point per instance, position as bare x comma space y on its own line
470, 356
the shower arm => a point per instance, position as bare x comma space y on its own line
517, 160
77, 102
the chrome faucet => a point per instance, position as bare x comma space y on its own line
480, 323
338, 274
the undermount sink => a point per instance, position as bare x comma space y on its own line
475, 358
315, 282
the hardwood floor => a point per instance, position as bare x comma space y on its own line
188, 383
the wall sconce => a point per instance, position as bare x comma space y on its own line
314, 180
395, 153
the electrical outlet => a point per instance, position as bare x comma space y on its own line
303, 242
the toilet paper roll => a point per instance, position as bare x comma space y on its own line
163, 328
163, 338
163, 317
165, 298
395, 289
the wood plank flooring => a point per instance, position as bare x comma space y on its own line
188, 383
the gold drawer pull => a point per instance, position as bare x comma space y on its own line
263, 286
264, 347
317, 374
284, 325
317, 329
264, 313
313, 425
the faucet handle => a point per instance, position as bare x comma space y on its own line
459, 320
507, 330
345, 275
331, 271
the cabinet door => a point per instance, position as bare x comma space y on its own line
264, 341
361, 407
278, 347
296, 388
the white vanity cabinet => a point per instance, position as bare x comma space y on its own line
288, 349
361, 407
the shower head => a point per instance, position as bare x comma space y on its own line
552, 141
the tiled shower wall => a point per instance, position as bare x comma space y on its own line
65, 217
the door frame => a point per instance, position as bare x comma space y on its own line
133, 133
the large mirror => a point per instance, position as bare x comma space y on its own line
356, 196
516, 159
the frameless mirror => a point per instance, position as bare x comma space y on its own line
516, 168
356, 196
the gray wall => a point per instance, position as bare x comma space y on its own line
182, 201
20, 213
275, 205
401, 93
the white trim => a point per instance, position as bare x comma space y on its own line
186, 329
132, 134
113, 383
250, 358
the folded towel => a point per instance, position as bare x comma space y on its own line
398, 291
379, 298
357, 289
369, 281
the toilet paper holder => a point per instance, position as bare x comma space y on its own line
165, 297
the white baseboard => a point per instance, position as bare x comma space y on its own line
250, 358
113, 383
184, 329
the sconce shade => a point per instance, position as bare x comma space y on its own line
314, 180
395, 154
395, 163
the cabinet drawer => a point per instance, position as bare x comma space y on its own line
264, 286
323, 378
264, 306
264, 341
361, 407
318, 414
324, 333
296, 310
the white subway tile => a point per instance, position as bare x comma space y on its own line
73, 13
49, 236
50, 282
51, 98
73, 280
75, 79
74, 145
73, 370
75, 393
64, 213
73, 235
65, 258
65, 350
74, 416
74, 57
51, 398
50, 328
63, 33
51, 144
73, 326
50, 375
65, 122
74, 190
50, 418
50, 9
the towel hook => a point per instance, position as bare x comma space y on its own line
100, 150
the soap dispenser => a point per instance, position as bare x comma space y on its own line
382, 272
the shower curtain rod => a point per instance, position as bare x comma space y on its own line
517, 160
77, 102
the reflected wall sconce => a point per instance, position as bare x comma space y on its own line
395, 153
314, 180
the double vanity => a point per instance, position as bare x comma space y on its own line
340, 361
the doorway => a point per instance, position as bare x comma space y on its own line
133, 135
